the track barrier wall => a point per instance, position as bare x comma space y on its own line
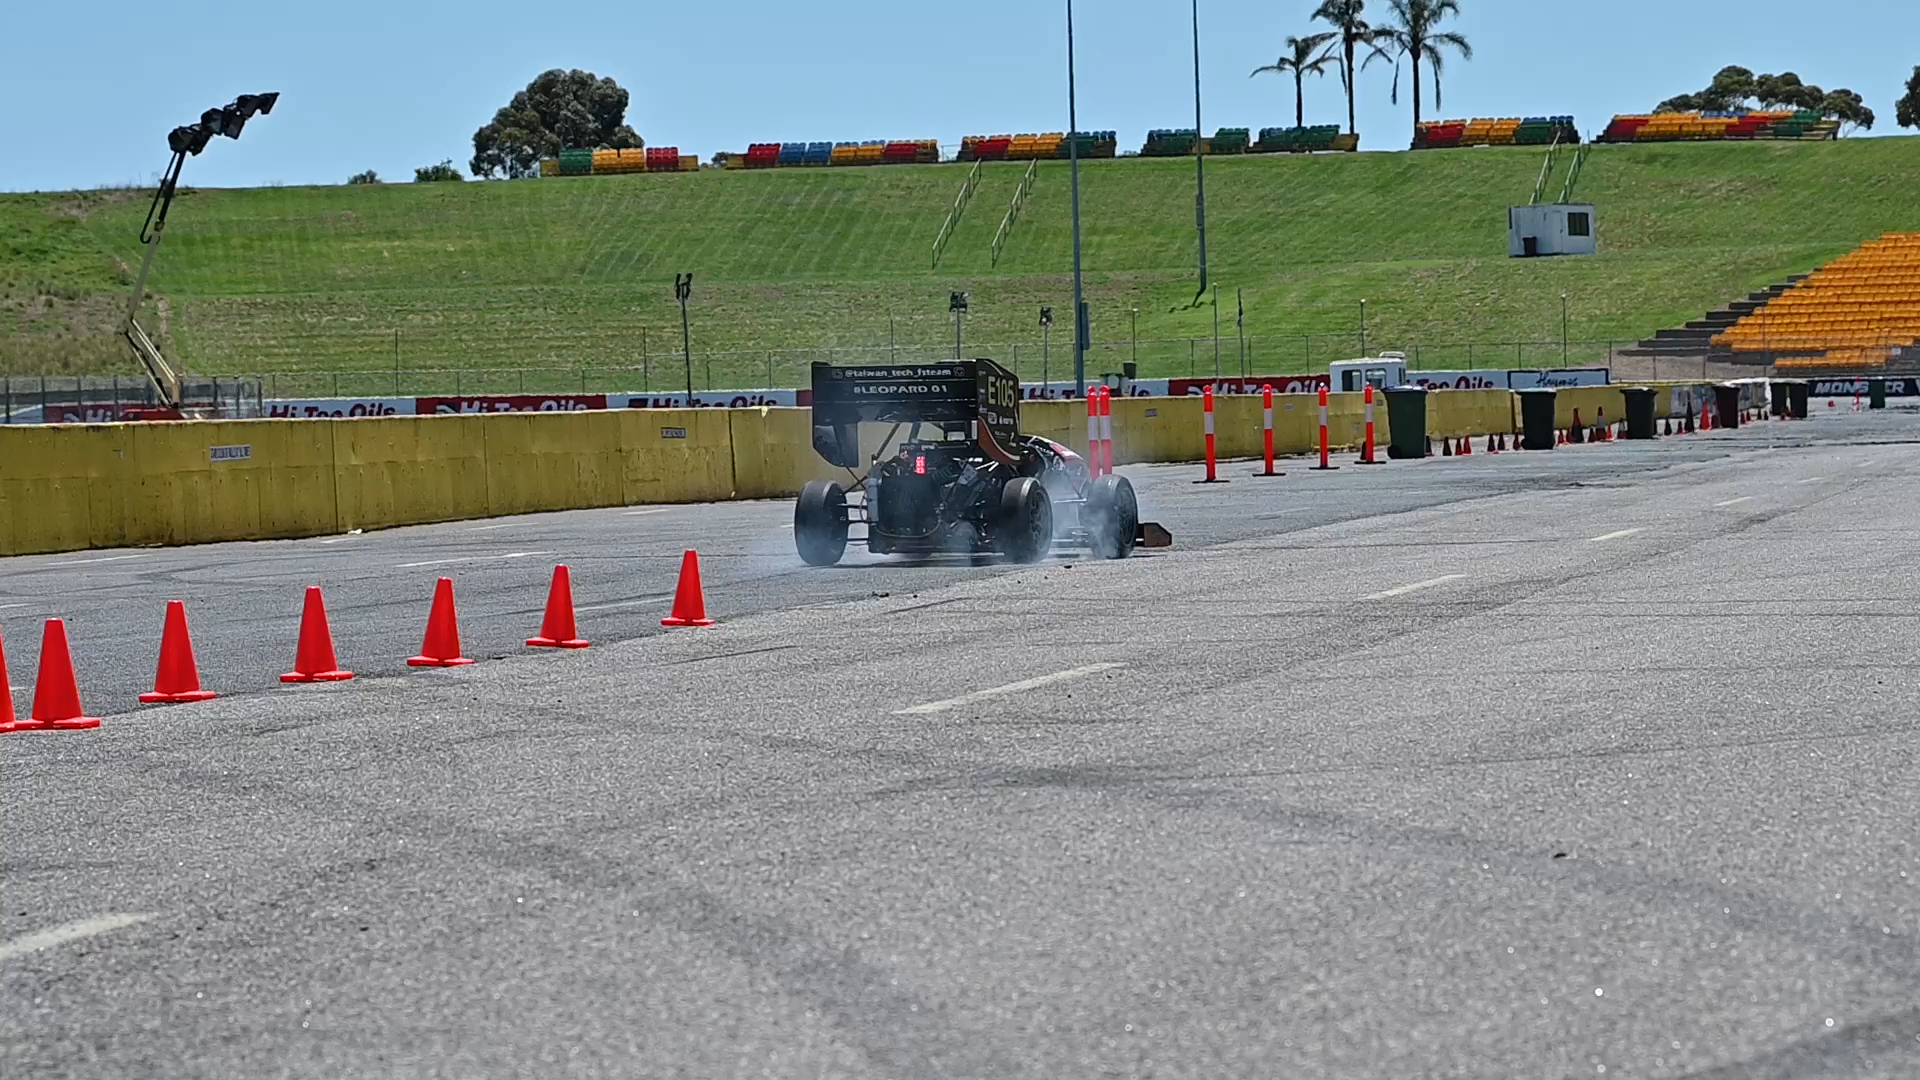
74, 487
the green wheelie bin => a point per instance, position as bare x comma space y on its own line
1406, 422
1536, 418
1640, 423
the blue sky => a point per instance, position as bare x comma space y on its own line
389, 86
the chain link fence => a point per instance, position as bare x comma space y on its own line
1043, 359
1033, 361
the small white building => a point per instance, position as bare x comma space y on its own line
1551, 229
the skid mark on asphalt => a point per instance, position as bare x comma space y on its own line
1010, 688
69, 932
471, 558
1403, 590
91, 562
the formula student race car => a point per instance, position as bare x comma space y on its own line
962, 480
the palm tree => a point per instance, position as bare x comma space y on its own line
1301, 61
1354, 33
1416, 35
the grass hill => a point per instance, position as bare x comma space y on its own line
564, 274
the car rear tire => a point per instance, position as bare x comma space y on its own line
1025, 529
820, 523
1112, 517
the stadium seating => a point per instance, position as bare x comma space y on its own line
1852, 312
1302, 140
605, 162
1697, 127
1508, 131
1230, 141
1162, 142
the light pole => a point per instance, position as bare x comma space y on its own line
957, 303
1216, 331
185, 141
683, 291
1073, 158
1363, 329
1563, 329
1135, 334
1046, 346
1199, 154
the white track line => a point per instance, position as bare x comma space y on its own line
471, 558
655, 510
1011, 688
110, 558
9, 607
490, 528
1621, 535
1735, 502
1415, 587
73, 931
1813, 479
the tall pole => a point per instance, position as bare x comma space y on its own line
1563, 329
1073, 157
682, 291
1199, 153
1363, 329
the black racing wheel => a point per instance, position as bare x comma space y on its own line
1024, 532
1111, 517
820, 523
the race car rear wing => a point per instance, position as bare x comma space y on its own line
952, 394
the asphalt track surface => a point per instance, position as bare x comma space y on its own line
1591, 763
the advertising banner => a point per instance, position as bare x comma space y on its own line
337, 408
508, 403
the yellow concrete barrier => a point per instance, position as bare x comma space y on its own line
409, 470
677, 455
1455, 413
1589, 401
69, 487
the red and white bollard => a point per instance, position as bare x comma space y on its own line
1093, 431
1206, 406
1266, 431
1366, 452
1106, 430
1326, 464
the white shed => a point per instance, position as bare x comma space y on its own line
1551, 229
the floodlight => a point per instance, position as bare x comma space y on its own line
249, 104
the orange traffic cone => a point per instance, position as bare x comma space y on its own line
557, 630
6, 694
442, 645
56, 694
689, 600
1466, 446
314, 660
178, 680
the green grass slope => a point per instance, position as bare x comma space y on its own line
565, 274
